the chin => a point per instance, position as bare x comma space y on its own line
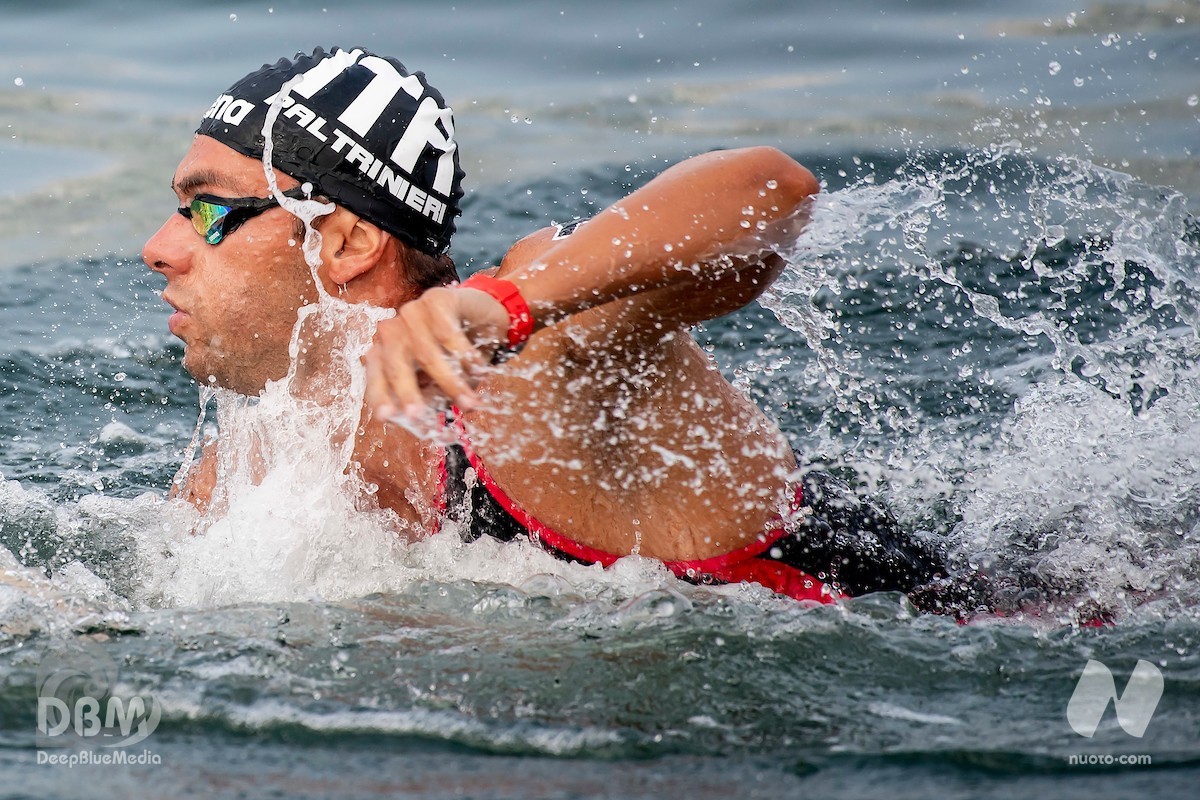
205, 373
213, 372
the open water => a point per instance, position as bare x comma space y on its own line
992, 322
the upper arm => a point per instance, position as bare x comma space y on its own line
639, 320
697, 242
630, 322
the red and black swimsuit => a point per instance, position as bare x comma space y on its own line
481, 507
853, 543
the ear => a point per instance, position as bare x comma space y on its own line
350, 245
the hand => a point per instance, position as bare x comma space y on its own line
439, 343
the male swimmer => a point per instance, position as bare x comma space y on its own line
587, 418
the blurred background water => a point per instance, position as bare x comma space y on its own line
991, 322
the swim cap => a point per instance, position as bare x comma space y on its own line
368, 134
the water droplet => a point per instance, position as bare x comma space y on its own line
1153, 54
1078, 81
965, 70
233, 17
633, 98
668, 247
19, 82
1193, 101
1055, 67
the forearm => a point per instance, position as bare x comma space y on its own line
702, 230
694, 243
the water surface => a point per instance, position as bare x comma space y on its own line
991, 322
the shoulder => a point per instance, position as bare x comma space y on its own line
532, 247
196, 481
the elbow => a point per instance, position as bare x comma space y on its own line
786, 182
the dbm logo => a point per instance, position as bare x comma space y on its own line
77, 701
1096, 688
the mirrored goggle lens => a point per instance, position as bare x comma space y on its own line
209, 220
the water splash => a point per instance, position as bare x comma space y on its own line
1087, 260
1029, 393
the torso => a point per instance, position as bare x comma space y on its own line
646, 449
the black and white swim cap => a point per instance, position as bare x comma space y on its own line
367, 133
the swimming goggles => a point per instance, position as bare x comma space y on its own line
214, 217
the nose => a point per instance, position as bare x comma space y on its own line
169, 251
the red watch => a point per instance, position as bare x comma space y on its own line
520, 320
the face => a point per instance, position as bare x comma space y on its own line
235, 302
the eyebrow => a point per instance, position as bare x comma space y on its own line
188, 183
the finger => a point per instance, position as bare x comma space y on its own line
377, 395
471, 357
393, 343
433, 344
467, 354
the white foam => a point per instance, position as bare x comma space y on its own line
893, 711
1102, 499
1074, 487
439, 724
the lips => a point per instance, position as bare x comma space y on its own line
176, 320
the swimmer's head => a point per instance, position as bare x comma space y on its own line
364, 131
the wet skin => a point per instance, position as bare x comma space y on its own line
611, 426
